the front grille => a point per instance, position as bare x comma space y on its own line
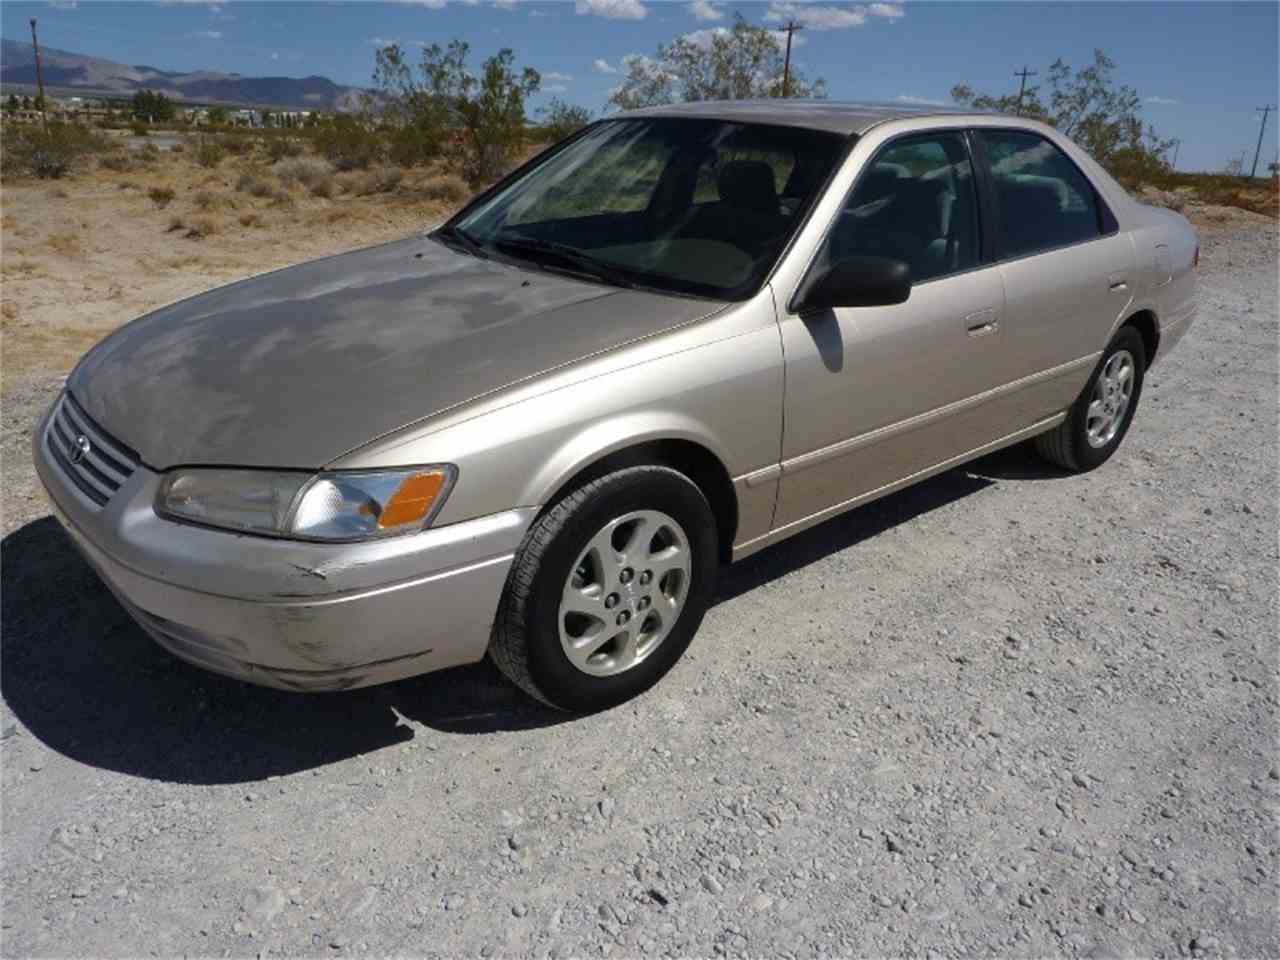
90, 457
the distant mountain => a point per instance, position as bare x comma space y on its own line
79, 74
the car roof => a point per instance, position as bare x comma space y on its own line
830, 115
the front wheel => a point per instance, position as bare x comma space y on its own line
608, 589
1100, 416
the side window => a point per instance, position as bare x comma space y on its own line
916, 203
1044, 200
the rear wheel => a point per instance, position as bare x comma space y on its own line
608, 589
1100, 416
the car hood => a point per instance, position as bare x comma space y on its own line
297, 367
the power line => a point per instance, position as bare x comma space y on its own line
791, 28
1022, 87
1266, 112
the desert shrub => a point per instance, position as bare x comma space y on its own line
139, 129
161, 196
281, 148
412, 145
368, 182
250, 218
348, 144
202, 225
238, 144
303, 170
117, 160
32, 151
280, 197
208, 200
207, 151
563, 119
324, 188
177, 222
446, 188
254, 184
177, 148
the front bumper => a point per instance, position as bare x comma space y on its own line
288, 614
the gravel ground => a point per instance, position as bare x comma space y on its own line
1005, 712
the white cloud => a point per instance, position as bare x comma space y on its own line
600, 65
612, 9
705, 10
429, 4
504, 4
64, 4
554, 88
555, 77
702, 38
919, 101
817, 18
275, 56
207, 34
890, 11
1162, 101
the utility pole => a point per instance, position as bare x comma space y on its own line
1177, 145
1022, 87
791, 28
35, 45
1266, 112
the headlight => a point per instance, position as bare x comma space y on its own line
354, 505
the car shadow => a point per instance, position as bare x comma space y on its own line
88, 683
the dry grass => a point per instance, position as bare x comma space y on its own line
324, 188
65, 244
365, 183
161, 196
256, 184
445, 188
304, 170
202, 225
207, 200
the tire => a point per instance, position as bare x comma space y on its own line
532, 640
1077, 444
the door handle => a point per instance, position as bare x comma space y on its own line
1118, 282
981, 323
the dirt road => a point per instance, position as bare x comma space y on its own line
1007, 711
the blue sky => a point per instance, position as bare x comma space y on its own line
1203, 67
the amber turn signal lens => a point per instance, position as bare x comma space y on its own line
413, 499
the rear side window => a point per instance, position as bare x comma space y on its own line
1044, 200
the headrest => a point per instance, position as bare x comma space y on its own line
749, 184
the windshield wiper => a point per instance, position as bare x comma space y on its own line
541, 251
464, 240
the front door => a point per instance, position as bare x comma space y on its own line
876, 394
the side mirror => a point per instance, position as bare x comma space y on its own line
856, 282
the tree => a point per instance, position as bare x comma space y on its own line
734, 63
443, 101
13, 103
563, 119
218, 116
152, 107
1091, 109
26, 103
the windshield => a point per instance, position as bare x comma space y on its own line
701, 207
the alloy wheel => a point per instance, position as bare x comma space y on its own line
1112, 395
625, 592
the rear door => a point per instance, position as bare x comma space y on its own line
1067, 269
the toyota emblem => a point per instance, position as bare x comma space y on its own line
78, 448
